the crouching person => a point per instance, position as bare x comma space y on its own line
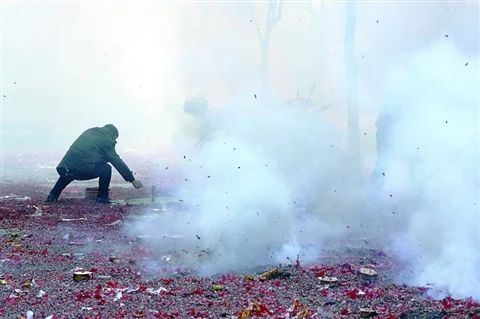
88, 158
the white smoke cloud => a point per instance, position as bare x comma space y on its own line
430, 157
271, 183
252, 188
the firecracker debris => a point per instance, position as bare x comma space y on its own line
63, 261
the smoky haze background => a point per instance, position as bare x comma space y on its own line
70, 66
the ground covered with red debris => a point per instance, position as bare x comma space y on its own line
44, 245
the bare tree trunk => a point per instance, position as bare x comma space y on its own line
352, 85
274, 14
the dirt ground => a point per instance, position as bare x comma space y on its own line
44, 245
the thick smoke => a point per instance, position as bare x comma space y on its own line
252, 190
428, 137
270, 182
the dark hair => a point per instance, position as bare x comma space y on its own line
196, 106
112, 130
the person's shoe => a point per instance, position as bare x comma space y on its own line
104, 200
51, 199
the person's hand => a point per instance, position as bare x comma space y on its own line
137, 184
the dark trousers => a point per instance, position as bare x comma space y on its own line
101, 171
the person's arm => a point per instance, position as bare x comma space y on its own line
119, 164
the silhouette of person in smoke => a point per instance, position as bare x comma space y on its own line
198, 108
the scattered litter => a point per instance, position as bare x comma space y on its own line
187, 294
115, 223
29, 314
38, 212
15, 197
156, 291
27, 236
255, 310
132, 289
216, 287
75, 243
274, 273
82, 275
270, 274
118, 296
22, 198
328, 280
73, 219
367, 273
28, 283
367, 312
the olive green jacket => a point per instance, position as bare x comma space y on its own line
95, 146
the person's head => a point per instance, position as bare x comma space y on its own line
196, 106
112, 130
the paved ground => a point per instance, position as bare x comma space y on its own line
43, 245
